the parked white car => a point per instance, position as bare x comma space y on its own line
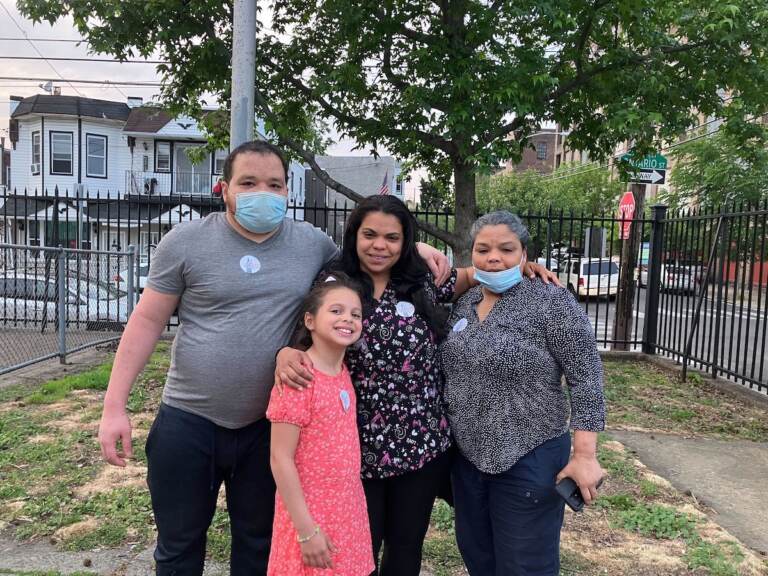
590, 277
679, 278
32, 300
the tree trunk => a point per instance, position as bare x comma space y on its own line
465, 214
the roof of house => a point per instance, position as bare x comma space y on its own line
72, 106
148, 119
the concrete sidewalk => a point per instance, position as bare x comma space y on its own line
729, 476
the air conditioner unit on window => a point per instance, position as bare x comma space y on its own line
35, 168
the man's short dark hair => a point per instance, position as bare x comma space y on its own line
257, 147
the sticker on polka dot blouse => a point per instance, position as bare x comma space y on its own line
405, 309
250, 264
345, 401
460, 325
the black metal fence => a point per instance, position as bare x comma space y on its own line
698, 279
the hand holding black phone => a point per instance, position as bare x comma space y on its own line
570, 492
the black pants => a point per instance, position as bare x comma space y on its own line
188, 458
399, 509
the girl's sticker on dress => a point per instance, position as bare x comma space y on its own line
345, 401
460, 325
250, 264
405, 309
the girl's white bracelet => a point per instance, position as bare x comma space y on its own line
306, 539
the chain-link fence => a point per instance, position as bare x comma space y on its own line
55, 301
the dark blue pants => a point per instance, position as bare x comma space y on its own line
188, 459
509, 524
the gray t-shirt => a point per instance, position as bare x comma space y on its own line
238, 307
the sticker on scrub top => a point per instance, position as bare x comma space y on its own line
250, 264
345, 401
405, 309
460, 325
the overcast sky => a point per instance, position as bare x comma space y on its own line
14, 25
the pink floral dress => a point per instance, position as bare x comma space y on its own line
328, 461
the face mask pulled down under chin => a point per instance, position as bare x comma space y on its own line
260, 212
498, 282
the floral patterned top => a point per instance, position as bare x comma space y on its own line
395, 370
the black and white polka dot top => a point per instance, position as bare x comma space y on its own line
503, 376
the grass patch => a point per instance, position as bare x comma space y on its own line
440, 551
618, 464
718, 559
219, 538
42, 465
642, 395
658, 521
57, 390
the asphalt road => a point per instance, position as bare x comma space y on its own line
743, 329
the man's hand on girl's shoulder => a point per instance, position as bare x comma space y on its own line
293, 368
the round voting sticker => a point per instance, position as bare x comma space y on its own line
405, 309
460, 325
250, 264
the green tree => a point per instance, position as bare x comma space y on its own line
718, 169
435, 195
570, 188
455, 82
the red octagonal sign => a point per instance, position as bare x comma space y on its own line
626, 213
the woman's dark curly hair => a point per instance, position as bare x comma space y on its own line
409, 275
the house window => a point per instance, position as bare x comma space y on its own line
96, 156
147, 242
36, 152
218, 161
162, 157
145, 163
541, 151
61, 153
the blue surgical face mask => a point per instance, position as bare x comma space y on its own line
260, 212
498, 282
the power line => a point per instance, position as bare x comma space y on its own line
62, 59
107, 82
8, 12
10, 39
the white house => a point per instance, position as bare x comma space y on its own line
122, 173
112, 149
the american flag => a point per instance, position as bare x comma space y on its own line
384, 185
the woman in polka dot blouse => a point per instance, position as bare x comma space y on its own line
510, 344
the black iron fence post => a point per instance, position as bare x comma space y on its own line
720, 285
653, 282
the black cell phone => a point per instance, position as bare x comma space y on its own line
569, 491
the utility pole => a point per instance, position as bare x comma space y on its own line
243, 72
622, 330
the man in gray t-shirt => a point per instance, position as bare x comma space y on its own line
238, 279
223, 368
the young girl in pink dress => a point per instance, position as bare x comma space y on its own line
321, 523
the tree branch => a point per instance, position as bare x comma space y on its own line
586, 31
311, 158
632, 60
438, 142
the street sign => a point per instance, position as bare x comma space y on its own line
626, 213
651, 169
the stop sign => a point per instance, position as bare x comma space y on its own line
626, 213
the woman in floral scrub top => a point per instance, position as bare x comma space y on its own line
404, 433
